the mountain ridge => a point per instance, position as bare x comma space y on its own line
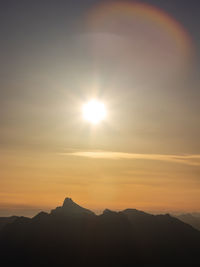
189, 218
75, 235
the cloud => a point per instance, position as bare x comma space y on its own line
192, 160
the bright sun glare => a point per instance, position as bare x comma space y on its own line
94, 111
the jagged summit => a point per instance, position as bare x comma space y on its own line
68, 201
70, 207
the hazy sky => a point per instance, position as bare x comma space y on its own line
143, 61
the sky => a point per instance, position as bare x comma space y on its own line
142, 60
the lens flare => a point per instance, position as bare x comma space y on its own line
111, 15
138, 37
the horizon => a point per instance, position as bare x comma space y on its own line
30, 212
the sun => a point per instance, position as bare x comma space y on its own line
94, 111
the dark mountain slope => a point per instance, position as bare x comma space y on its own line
192, 219
72, 235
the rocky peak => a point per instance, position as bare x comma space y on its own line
68, 202
70, 207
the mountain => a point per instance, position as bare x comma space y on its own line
192, 219
71, 235
70, 207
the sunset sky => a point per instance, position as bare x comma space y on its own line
142, 61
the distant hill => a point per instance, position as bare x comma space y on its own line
192, 219
71, 235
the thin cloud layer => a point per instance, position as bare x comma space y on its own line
193, 160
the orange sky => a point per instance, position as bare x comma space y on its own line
42, 180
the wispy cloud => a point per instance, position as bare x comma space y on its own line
193, 160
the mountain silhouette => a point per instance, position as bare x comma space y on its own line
71, 235
192, 219
69, 207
